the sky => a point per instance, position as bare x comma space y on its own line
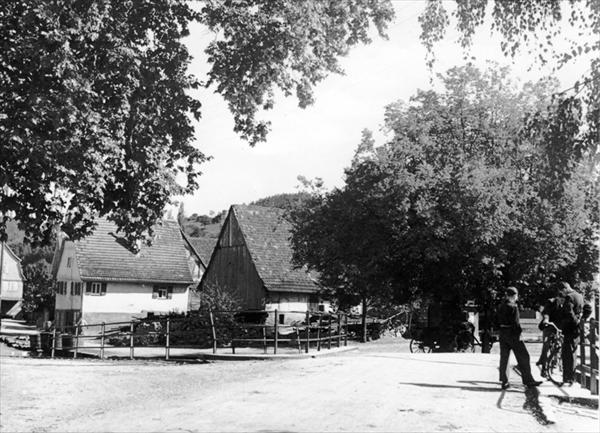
320, 140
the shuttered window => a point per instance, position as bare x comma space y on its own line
162, 292
95, 288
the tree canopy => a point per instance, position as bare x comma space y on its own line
466, 196
530, 25
95, 113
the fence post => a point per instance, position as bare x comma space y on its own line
264, 334
276, 332
307, 330
212, 329
319, 333
53, 342
593, 358
131, 340
167, 339
582, 363
339, 330
76, 341
329, 334
346, 330
102, 341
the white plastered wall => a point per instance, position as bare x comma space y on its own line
134, 298
70, 275
12, 283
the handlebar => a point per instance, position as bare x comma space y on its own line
552, 325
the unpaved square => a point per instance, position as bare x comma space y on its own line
380, 387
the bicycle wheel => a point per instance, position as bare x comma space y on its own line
553, 365
418, 346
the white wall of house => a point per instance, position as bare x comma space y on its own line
12, 283
134, 298
293, 302
68, 271
68, 301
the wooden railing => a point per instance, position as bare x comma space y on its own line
207, 330
587, 368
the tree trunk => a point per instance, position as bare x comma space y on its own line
364, 320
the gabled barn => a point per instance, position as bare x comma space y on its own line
253, 261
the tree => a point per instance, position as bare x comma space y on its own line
453, 205
38, 287
531, 25
568, 131
95, 113
342, 235
284, 201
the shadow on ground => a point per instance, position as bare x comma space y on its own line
532, 394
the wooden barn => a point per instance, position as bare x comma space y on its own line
253, 261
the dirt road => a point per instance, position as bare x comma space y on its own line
372, 389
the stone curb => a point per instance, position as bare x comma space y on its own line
267, 356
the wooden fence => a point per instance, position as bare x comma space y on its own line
587, 370
205, 330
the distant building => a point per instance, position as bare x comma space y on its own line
253, 261
11, 280
99, 279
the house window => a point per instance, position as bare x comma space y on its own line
69, 262
76, 289
62, 287
95, 288
282, 319
321, 307
162, 292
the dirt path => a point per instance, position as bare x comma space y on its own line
368, 390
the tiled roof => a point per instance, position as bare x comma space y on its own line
267, 235
204, 247
104, 256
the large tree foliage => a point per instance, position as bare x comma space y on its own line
458, 201
95, 113
567, 134
534, 26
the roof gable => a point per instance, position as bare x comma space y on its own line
16, 259
203, 247
104, 256
267, 236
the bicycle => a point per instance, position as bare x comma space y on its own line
552, 366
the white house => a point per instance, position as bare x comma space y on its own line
99, 279
11, 279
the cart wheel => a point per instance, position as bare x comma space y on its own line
417, 346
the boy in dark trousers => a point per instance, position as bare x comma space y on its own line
510, 339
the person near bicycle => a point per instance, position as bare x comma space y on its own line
507, 315
571, 317
551, 313
464, 333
